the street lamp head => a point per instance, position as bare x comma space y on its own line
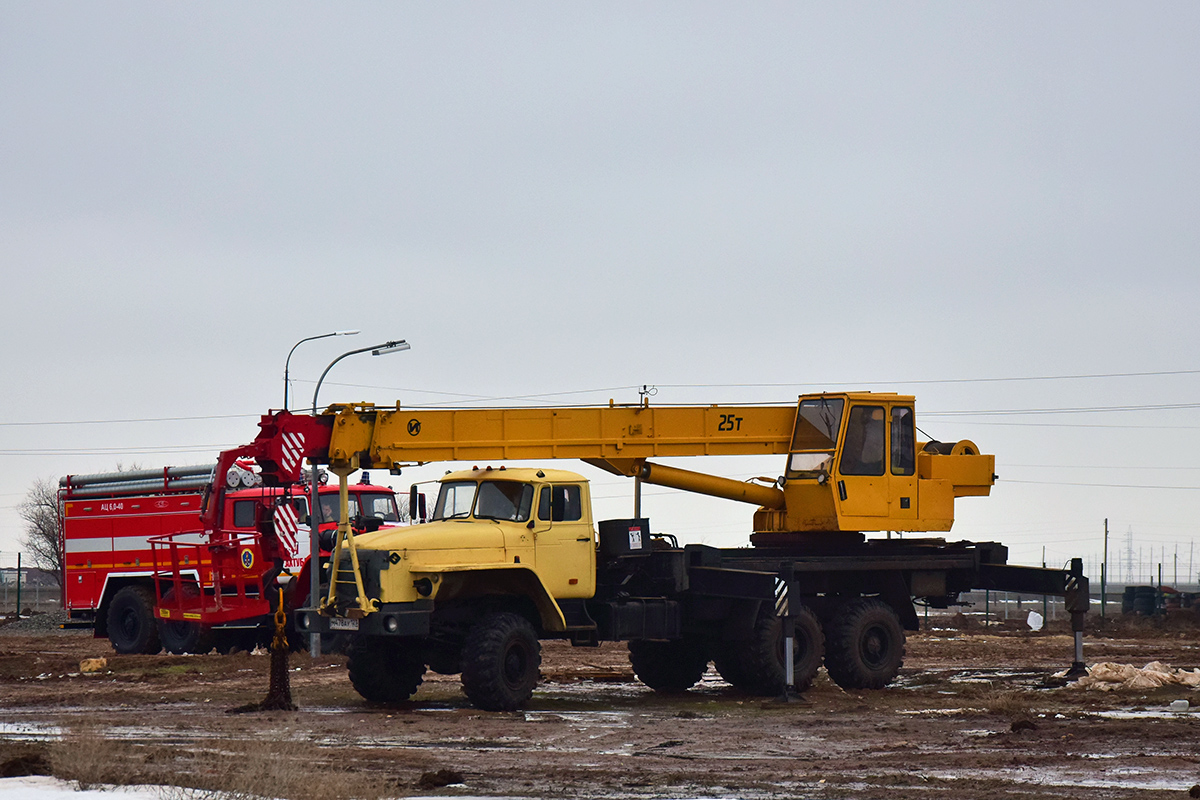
346, 333
390, 347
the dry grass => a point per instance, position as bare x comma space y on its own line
1008, 703
230, 770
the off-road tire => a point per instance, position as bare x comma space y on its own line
669, 667
864, 645
384, 669
181, 636
500, 662
755, 665
131, 626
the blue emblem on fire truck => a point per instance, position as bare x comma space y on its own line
247, 558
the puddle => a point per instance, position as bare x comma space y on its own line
1150, 713
29, 732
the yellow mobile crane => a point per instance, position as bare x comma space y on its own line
511, 555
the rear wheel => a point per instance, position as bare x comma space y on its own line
673, 666
756, 665
131, 627
180, 636
500, 662
864, 646
385, 670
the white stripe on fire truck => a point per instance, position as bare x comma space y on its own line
93, 545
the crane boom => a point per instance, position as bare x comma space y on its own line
397, 437
853, 461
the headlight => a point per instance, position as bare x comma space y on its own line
391, 624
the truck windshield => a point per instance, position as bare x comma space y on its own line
455, 500
506, 500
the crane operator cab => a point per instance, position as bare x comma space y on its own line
856, 465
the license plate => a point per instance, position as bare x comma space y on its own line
343, 624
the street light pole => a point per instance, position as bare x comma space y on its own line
287, 364
314, 522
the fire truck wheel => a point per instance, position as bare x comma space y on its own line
385, 670
755, 665
864, 645
181, 637
501, 658
131, 627
234, 641
673, 666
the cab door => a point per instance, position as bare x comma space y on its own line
902, 467
861, 481
563, 541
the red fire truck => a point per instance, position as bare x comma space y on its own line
137, 559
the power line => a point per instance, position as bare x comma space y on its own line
1107, 485
931, 380
1068, 410
128, 421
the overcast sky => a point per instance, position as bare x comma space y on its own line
562, 202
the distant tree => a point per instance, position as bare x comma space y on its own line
43, 522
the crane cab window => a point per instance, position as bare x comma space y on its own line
560, 503
817, 423
506, 500
904, 456
862, 450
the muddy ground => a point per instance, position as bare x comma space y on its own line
972, 716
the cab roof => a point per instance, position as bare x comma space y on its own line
523, 474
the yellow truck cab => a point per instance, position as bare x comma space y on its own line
494, 530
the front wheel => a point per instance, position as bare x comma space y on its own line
179, 636
500, 662
385, 670
864, 645
672, 666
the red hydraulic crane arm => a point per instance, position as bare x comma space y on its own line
284, 440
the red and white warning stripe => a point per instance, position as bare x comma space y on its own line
292, 451
287, 526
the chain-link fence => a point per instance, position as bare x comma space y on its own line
26, 589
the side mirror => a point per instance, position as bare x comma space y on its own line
416, 505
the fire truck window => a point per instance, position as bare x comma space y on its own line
903, 442
330, 504
243, 513
560, 503
380, 505
301, 506
862, 451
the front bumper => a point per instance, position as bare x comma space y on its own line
392, 619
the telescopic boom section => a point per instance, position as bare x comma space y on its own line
853, 461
